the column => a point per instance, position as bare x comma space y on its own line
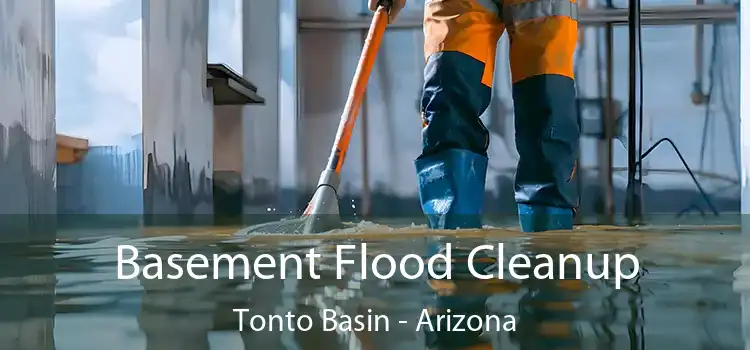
270, 170
744, 28
742, 275
260, 63
225, 47
177, 112
27, 118
288, 107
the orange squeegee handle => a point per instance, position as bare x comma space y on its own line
358, 87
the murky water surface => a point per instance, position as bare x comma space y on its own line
68, 297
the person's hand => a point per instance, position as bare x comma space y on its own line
396, 7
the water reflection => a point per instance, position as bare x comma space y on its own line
27, 297
684, 300
742, 287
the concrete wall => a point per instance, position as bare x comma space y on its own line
742, 275
27, 116
27, 170
177, 109
744, 102
260, 64
107, 172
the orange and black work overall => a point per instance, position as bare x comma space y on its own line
461, 39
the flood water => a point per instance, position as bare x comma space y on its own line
67, 296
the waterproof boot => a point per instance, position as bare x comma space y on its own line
451, 191
451, 188
537, 218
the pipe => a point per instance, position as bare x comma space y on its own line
698, 95
632, 211
606, 161
656, 15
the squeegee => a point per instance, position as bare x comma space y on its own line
322, 212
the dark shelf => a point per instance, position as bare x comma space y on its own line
230, 88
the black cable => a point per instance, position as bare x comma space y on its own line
703, 192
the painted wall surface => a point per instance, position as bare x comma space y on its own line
27, 171
742, 275
27, 117
108, 182
744, 77
177, 109
328, 60
260, 64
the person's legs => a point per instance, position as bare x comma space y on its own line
460, 43
544, 34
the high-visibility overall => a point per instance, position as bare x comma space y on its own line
460, 45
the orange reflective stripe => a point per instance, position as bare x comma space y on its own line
464, 26
543, 46
573, 172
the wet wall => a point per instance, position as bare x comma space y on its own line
27, 173
260, 64
744, 77
225, 47
228, 188
107, 172
742, 275
177, 110
27, 119
328, 60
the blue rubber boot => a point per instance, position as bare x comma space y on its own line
451, 188
537, 218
